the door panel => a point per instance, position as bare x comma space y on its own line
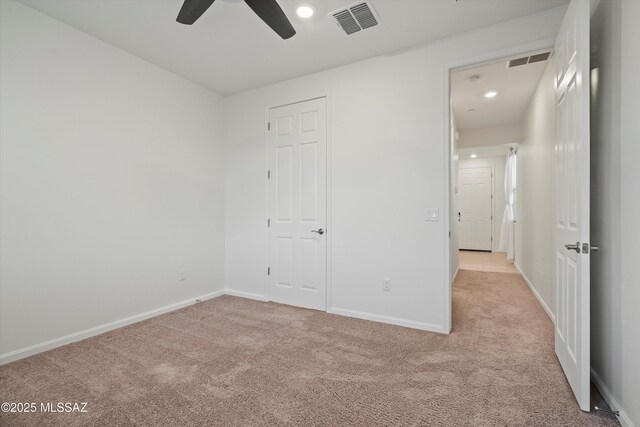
284, 178
284, 265
561, 320
572, 177
309, 181
475, 204
309, 264
297, 204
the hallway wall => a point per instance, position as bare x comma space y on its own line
535, 201
492, 135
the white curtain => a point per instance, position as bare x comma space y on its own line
507, 234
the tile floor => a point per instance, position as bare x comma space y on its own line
486, 261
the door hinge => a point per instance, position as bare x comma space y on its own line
269, 222
268, 271
268, 174
268, 125
449, 234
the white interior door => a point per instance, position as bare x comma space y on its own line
475, 204
572, 237
298, 204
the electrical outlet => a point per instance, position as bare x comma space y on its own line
386, 284
182, 274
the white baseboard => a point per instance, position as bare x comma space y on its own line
351, 313
536, 294
97, 330
611, 400
387, 319
248, 295
87, 333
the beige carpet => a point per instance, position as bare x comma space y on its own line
233, 362
495, 262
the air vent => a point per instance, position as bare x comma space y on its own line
518, 62
347, 22
356, 17
528, 59
539, 58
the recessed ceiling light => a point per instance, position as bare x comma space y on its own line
305, 11
490, 94
473, 156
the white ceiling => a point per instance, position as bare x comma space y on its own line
230, 50
515, 87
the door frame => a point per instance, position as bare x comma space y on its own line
469, 61
329, 214
493, 205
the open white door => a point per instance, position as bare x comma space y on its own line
572, 225
298, 204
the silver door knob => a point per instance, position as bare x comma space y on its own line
319, 231
575, 247
595, 248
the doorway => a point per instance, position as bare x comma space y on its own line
475, 204
297, 204
553, 118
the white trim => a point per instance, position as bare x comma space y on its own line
535, 293
91, 332
611, 400
465, 62
389, 320
247, 295
97, 330
267, 169
455, 274
493, 209
329, 201
352, 313
447, 314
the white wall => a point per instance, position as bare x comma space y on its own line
111, 180
536, 202
615, 207
492, 135
498, 163
389, 163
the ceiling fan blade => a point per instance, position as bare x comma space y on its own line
191, 10
272, 15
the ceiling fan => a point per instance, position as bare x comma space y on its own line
267, 10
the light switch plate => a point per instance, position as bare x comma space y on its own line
432, 214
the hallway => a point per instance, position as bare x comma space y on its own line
513, 348
495, 262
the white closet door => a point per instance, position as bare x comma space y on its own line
298, 204
475, 193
